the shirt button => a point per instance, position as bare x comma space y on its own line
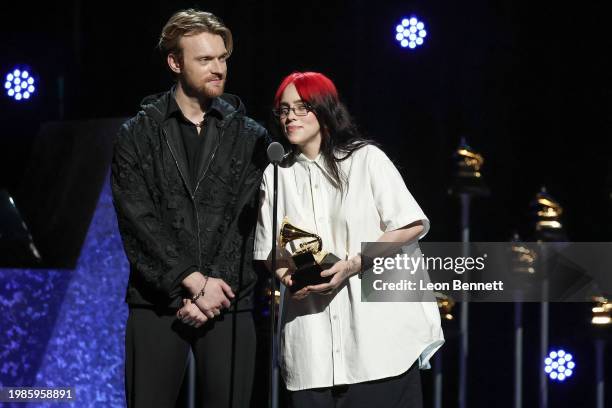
337, 350
316, 186
335, 317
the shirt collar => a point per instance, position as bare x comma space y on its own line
317, 160
214, 108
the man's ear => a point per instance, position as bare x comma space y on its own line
174, 62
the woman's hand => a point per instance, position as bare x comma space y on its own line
340, 271
284, 275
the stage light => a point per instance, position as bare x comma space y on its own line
559, 365
19, 84
410, 33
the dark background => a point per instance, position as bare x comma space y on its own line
527, 83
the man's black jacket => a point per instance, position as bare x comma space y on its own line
170, 226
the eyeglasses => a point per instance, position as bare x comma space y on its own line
299, 110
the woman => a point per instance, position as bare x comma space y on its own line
336, 350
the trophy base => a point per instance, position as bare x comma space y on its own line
308, 270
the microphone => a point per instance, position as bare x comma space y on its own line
276, 152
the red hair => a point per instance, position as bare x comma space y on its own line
312, 87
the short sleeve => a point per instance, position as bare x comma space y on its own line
396, 206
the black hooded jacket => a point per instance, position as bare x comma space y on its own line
171, 225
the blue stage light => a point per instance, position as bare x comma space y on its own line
559, 365
20, 84
410, 33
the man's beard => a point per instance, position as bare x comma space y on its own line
211, 91
206, 90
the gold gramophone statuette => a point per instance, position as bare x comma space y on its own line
469, 162
548, 211
309, 258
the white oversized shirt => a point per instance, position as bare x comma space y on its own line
333, 340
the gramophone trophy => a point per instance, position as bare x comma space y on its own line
309, 258
467, 177
547, 213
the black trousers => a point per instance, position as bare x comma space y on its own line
403, 391
156, 354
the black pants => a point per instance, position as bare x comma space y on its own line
157, 349
403, 391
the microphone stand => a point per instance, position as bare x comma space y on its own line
273, 374
273, 400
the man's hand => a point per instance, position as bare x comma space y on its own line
218, 294
191, 315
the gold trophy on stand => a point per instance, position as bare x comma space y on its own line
547, 212
467, 177
307, 254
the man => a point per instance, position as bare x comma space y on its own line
185, 176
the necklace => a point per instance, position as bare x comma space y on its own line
199, 124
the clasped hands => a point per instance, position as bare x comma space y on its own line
218, 295
340, 271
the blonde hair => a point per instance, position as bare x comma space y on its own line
191, 22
